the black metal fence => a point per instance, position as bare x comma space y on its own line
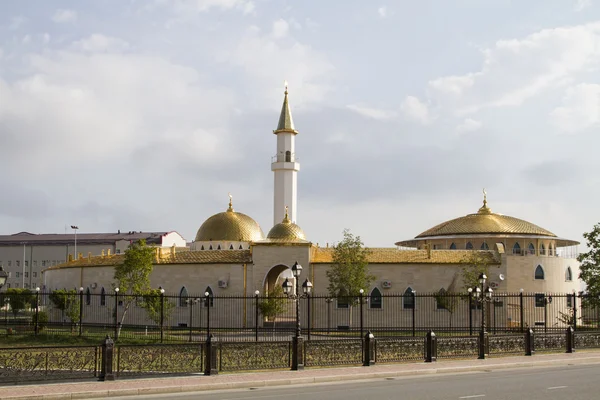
174, 318
109, 362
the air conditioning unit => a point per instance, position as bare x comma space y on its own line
386, 284
222, 283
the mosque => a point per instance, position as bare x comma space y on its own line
232, 256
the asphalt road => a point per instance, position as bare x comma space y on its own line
551, 383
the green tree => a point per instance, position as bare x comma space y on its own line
133, 276
349, 272
273, 305
151, 302
67, 301
589, 268
19, 299
476, 263
447, 299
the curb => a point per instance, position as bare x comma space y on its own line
304, 380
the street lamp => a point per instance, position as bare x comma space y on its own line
162, 312
75, 227
80, 311
482, 295
547, 300
37, 309
297, 359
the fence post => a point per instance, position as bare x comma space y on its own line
207, 302
256, 315
106, 371
470, 316
80, 311
521, 310
430, 347
529, 342
369, 353
211, 356
570, 340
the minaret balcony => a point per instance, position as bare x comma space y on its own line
285, 157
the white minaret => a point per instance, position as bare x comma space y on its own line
285, 166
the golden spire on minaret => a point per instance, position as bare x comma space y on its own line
484, 209
230, 209
286, 123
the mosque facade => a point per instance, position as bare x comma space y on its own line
231, 255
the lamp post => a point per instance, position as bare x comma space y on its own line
482, 295
521, 310
116, 313
256, 293
297, 359
328, 300
207, 304
80, 311
547, 300
361, 292
75, 228
162, 312
37, 310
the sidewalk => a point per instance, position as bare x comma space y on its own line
93, 389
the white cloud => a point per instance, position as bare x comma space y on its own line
469, 125
382, 11
581, 4
580, 109
100, 43
280, 28
371, 112
16, 23
267, 61
415, 109
186, 6
62, 16
516, 70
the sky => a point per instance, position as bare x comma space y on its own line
144, 115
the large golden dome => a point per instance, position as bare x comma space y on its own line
230, 226
286, 230
485, 222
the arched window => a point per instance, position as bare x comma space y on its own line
409, 299
569, 274
210, 302
542, 249
550, 249
469, 246
241, 248
453, 246
183, 296
230, 247
210, 247
88, 297
442, 300
219, 247
531, 248
539, 272
202, 248
516, 249
375, 300
288, 156
484, 246
102, 297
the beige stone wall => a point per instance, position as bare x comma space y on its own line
267, 257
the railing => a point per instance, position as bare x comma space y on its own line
239, 318
287, 157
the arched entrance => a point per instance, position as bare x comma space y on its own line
276, 276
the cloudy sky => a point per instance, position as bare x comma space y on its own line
143, 115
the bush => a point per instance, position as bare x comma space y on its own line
42, 319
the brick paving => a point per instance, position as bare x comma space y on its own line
95, 389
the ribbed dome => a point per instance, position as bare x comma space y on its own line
230, 226
485, 222
286, 230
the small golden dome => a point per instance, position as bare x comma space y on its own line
286, 230
230, 226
